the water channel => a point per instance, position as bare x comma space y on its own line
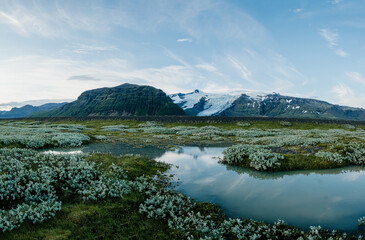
333, 198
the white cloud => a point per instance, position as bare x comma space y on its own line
207, 66
242, 69
88, 49
343, 92
341, 53
184, 40
298, 10
235, 33
176, 58
52, 20
345, 95
337, 1
330, 36
356, 77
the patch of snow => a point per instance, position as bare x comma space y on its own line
289, 100
216, 102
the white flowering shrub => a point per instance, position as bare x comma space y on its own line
264, 159
354, 153
258, 157
39, 136
238, 154
31, 182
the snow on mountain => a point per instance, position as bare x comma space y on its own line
211, 104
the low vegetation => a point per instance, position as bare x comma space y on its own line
100, 196
58, 193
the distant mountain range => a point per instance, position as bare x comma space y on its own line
253, 104
28, 109
136, 100
123, 100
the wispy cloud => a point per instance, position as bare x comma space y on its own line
348, 96
341, 53
86, 49
343, 91
83, 78
332, 37
356, 77
337, 1
297, 10
52, 19
207, 66
184, 40
242, 69
176, 58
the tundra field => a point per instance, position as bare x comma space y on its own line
45, 195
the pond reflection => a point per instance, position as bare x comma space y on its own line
330, 198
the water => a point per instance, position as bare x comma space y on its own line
331, 198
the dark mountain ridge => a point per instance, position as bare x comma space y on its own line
124, 100
276, 105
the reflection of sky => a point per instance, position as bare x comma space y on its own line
330, 198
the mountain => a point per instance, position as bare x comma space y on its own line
124, 100
28, 109
246, 103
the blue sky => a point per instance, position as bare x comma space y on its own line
57, 49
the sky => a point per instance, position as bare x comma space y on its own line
54, 50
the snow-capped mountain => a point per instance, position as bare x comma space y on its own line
246, 103
199, 103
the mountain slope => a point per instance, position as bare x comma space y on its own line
28, 109
123, 100
276, 105
246, 103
